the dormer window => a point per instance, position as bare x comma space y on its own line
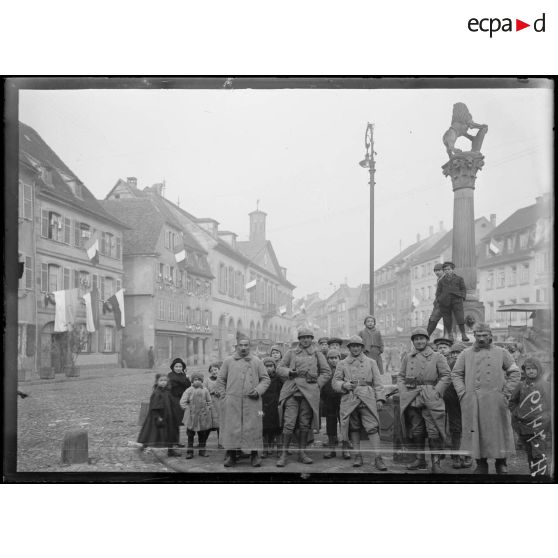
46, 175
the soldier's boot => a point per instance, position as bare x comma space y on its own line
230, 458
419, 461
357, 456
482, 466
456, 459
282, 461
464, 337
255, 459
302, 441
345, 451
331, 443
375, 443
501, 467
436, 445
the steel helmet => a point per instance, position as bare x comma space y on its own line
419, 331
305, 332
355, 340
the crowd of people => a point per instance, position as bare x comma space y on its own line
463, 400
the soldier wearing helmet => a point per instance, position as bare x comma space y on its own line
422, 381
358, 379
305, 371
373, 342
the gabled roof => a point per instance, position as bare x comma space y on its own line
36, 152
519, 220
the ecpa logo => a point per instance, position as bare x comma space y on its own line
494, 24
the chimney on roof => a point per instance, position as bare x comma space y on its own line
159, 189
493, 219
132, 181
257, 225
441, 225
284, 272
431, 232
418, 237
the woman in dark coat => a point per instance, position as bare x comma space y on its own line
160, 428
178, 384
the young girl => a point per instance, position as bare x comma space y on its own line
270, 403
210, 383
196, 402
530, 408
160, 428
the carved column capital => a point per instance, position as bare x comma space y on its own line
462, 169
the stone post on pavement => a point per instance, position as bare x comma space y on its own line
462, 168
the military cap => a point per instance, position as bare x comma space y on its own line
438, 266
323, 340
305, 332
333, 352
355, 340
450, 264
419, 331
443, 341
335, 340
458, 347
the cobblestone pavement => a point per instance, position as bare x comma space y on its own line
106, 403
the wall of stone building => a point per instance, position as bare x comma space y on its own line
139, 274
139, 333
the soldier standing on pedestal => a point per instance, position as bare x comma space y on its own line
450, 294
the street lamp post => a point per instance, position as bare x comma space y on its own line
369, 163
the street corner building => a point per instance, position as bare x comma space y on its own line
71, 251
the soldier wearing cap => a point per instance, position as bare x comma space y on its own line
323, 344
484, 378
436, 314
422, 381
336, 343
450, 294
373, 342
330, 405
443, 346
305, 371
358, 379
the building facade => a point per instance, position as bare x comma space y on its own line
58, 217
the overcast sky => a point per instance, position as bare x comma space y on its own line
297, 151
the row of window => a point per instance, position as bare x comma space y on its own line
57, 278
425, 293
76, 233
507, 276
231, 282
171, 311
172, 275
105, 338
423, 270
509, 244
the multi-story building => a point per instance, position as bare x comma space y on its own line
168, 302
249, 290
423, 280
515, 265
58, 217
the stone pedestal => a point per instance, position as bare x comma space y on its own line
462, 169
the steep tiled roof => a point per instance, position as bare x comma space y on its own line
520, 219
36, 152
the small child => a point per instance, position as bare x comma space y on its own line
196, 402
530, 409
270, 408
160, 427
210, 383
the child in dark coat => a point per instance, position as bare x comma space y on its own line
196, 403
160, 428
270, 408
530, 409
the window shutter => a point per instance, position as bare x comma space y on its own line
77, 233
76, 278
65, 278
44, 277
118, 285
27, 201
67, 230
95, 281
118, 248
44, 223
102, 287
28, 272
103, 240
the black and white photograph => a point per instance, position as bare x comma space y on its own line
279, 279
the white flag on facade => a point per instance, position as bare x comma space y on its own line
180, 256
251, 284
60, 323
90, 324
282, 310
493, 247
416, 301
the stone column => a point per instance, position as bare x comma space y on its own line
462, 169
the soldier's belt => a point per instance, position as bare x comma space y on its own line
412, 383
363, 383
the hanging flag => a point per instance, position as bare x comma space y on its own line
251, 284
399, 329
415, 301
71, 305
493, 247
89, 322
93, 251
117, 303
282, 310
180, 256
60, 311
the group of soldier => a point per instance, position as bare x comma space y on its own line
439, 384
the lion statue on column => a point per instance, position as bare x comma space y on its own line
461, 121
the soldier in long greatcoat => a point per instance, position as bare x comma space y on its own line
485, 376
241, 382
